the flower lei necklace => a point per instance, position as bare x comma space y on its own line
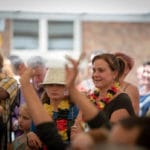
61, 120
104, 101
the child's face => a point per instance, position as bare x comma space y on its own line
55, 91
24, 120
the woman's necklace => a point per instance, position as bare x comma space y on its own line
105, 100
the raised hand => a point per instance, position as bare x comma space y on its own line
71, 72
27, 75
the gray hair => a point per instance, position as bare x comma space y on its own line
15, 61
36, 61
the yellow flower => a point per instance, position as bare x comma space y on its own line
49, 109
63, 134
109, 95
101, 105
117, 85
64, 104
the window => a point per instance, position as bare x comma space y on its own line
46, 35
60, 35
25, 34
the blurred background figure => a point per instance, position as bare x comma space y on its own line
127, 134
7, 67
18, 66
90, 138
8, 92
132, 131
145, 92
38, 63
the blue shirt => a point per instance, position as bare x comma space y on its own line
144, 104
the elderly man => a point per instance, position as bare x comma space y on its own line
38, 63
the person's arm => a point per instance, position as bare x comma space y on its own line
3, 94
35, 106
1, 110
133, 93
88, 109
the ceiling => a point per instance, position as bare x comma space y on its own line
78, 6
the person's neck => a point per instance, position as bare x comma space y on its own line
103, 91
146, 89
55, 103
26, 132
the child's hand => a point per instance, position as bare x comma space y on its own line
33, 141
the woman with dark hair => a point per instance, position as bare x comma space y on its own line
107, 96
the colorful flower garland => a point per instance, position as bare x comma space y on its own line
62, 114
104, 101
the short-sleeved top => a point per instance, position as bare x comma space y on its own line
121, 101
10, 85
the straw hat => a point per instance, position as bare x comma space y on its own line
54, 76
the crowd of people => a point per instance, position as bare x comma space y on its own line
45, 108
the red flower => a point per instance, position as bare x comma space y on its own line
115, 89
92, 96
106, 100
61, 124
